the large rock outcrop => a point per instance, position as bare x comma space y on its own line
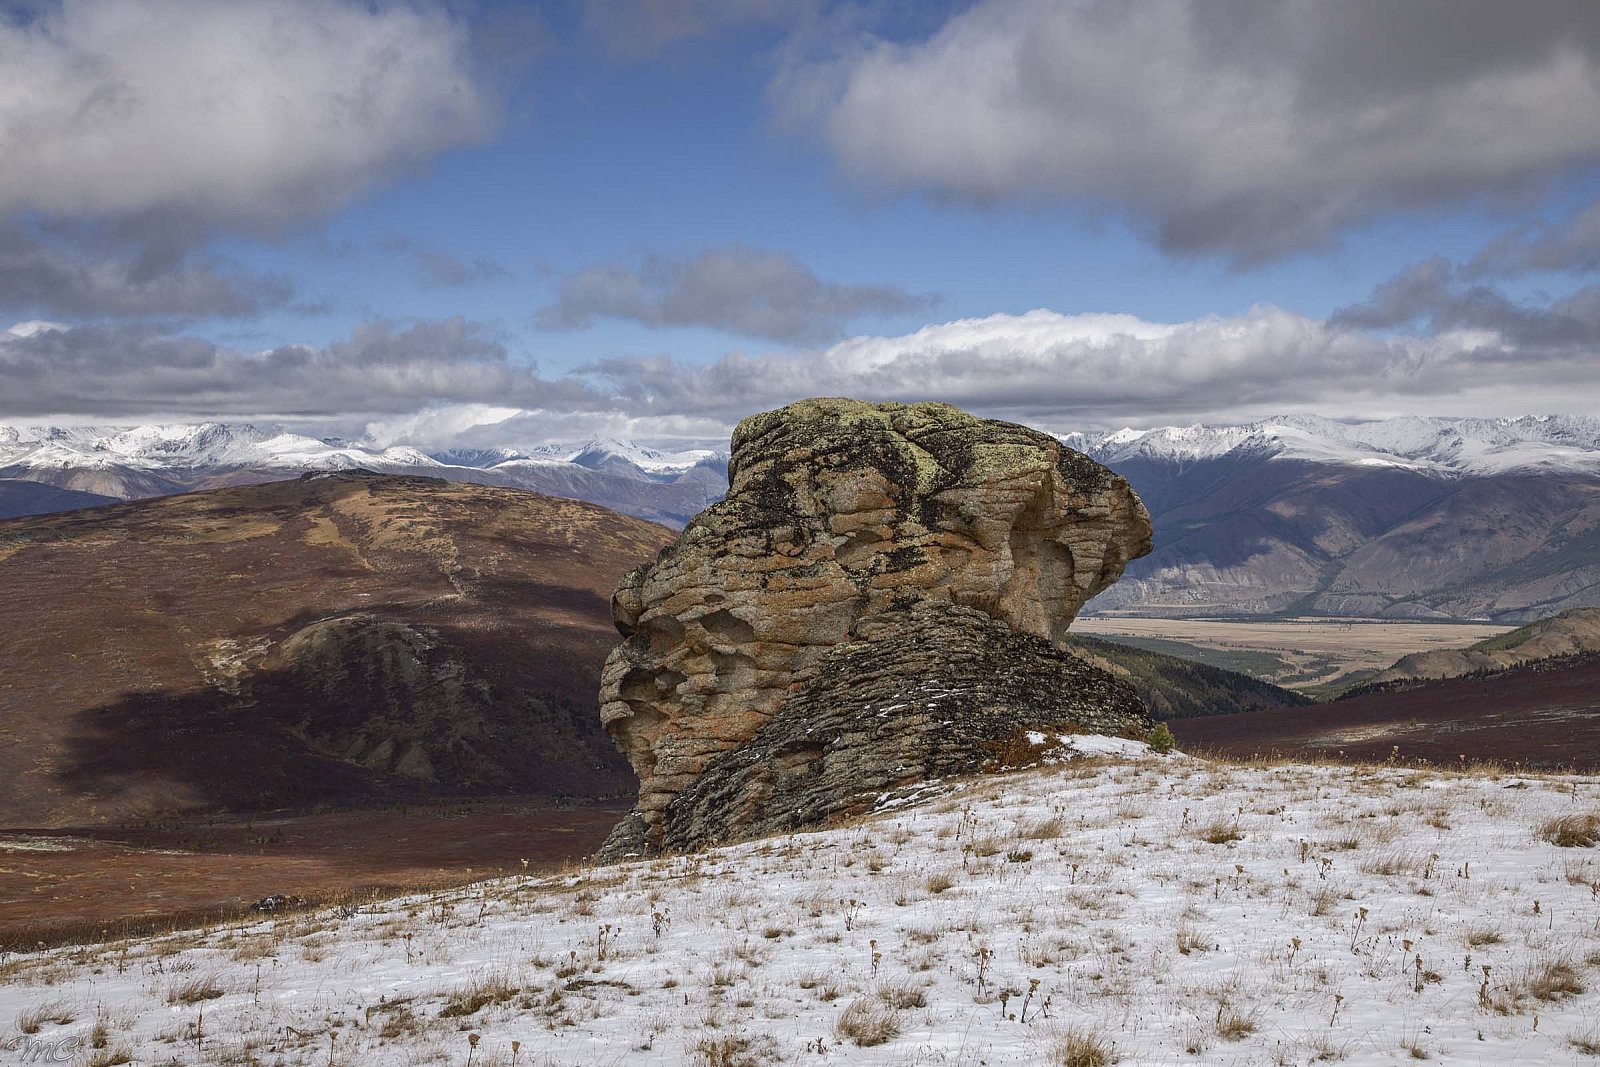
879, 599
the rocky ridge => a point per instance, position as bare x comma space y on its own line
863, 553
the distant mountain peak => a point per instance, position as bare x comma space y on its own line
1441, 446
159, 458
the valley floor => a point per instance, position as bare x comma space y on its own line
1153, 910
1313, 654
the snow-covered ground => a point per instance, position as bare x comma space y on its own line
1156, 910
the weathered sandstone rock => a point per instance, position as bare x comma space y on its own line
899, 545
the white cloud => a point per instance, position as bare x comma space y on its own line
439, 426
454, 382
250, 114
1224, 126
1046, 367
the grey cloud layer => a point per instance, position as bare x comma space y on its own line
383, 367
1571, 245
1042, 367
1430, 296
1226, 126
245, 115
65, 279
743, 290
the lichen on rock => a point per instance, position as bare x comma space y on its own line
861, 547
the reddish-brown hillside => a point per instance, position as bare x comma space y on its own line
1542, 715
336, 639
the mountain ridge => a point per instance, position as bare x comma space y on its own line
1401, 518
1409, 517
158, 459
1441, 446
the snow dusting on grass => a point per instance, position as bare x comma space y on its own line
1125, 909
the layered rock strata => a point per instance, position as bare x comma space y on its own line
863, 550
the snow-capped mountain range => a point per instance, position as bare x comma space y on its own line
1404, 517
1430, 445
210, 444
141, 461
1546, 444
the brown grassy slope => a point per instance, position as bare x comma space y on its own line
20, 497
1543, 715
1570, 632
1175, 688
330, 640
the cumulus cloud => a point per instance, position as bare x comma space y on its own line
241, 115
1226, 126
736, 288
1046, 367
1071, 371
1056, 371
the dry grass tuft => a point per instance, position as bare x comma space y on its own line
1220, 832
195, 990
1550, 979
1586, 1042
491, 989
1083, 1048
1573, 831
868, 1022
902, 993
1232, 1024
1190, 940
1479, 936
728, 1050
1554, 979
54, 1011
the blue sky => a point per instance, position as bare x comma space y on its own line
652, 217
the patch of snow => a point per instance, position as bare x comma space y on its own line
38, 844
1176, 911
